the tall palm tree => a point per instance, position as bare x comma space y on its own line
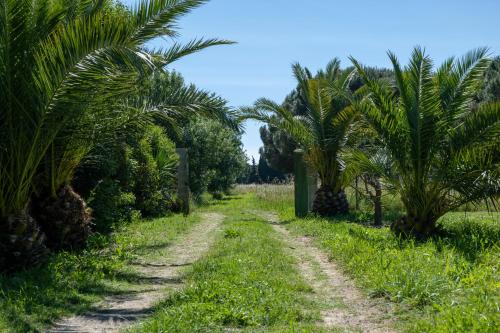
444, 151
59, 59
322, 131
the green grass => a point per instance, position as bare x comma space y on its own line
445, 284
246, 281
70, 282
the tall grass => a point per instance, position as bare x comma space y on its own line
281, 195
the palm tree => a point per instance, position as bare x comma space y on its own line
364, 140
369, 164
60, 61
321, 131
163, 98
444, 152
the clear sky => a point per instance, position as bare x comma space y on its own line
272, 34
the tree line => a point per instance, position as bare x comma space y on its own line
91, 117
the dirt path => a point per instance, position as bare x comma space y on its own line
346, 306
118, 312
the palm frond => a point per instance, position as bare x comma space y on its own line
156, 18
458, 80
481, 127
164, 57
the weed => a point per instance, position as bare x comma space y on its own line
232, 233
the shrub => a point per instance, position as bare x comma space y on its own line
132, 176
155, 176
111, 204
216, 157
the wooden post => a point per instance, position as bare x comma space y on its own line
305, 184
183, 180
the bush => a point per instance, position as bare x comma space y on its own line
216, 157
155, 176
135, 175
111, 205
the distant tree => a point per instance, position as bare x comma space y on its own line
254, 173
490, 91
244, 176
277, 148
268, 174
216, 156
278, 145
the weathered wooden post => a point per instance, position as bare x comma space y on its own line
305, 184
183, 180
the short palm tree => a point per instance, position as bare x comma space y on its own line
367, 160
321, 131
444, 150
60, 60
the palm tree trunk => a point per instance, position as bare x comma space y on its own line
65, 219
376, 197
416, 226
330, 203
22, 243
377, 202
356, 193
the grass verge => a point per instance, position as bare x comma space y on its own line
69, 283
445, 284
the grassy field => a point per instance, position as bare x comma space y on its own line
446, 284
70, 282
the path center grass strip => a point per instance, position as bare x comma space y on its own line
245, 281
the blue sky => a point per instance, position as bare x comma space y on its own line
272, 34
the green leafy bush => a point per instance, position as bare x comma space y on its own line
111, 204
216, 157
155, 175
135, 175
